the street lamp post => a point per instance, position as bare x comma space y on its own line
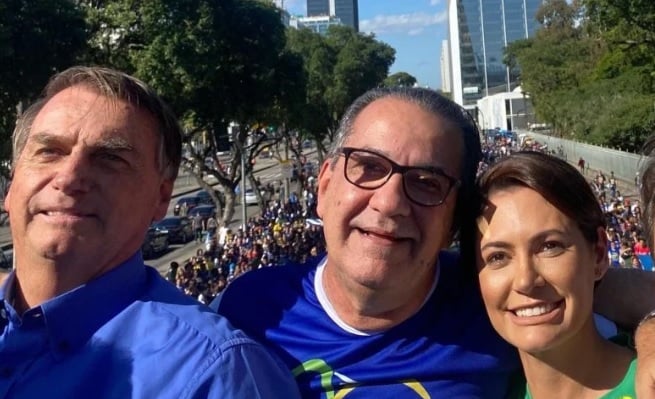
233, 130
244, 211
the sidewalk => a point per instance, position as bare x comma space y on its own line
626, 188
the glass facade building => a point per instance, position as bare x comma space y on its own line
318, 8
479, 30
345, 10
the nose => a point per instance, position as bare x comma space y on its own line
390, 199
73, 174
526, 275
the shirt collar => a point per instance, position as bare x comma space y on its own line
7, 289
7, 296
74, 316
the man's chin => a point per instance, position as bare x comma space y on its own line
56, 249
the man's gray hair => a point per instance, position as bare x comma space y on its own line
118, 86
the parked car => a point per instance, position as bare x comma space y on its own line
251, 197
178, 227
156, 242
205, 211
190, 201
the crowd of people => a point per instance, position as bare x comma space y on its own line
284, 233
626, 236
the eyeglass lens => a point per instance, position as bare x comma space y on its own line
370, 171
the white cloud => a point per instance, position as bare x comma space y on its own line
435, 2
411, 24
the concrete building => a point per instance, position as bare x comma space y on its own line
346, 11
444, 61
319, 25
507, 111
478, 32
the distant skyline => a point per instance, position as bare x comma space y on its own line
414, 28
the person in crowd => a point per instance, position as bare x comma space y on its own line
542, 248
390, 311
198, 226
94, 161
581, 164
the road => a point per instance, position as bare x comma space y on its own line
266, 169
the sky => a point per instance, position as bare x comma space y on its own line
414, 28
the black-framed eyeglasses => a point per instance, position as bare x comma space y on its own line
423, 186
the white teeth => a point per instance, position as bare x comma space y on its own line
535, 311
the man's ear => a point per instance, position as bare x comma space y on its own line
163, 199
324, 177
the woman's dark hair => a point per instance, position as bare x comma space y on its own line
557, 181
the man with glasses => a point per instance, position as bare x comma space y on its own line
386, 312
389, 312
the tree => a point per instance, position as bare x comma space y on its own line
214, 61
400, 79
33, 45
589, 70
339, 67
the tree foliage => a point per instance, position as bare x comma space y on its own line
33, 45
590, 70
215, 62
339, 67
400, 79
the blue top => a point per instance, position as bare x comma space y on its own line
448, 349
131, 334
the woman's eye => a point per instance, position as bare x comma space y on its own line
553, 247
496, 259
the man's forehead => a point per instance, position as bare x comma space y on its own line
412, 125
81, 106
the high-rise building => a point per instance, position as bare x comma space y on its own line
346, 10
444, 60
318, 8
478, 33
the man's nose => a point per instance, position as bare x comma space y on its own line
390, 198
73, 174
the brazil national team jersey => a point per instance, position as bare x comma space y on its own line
447, 350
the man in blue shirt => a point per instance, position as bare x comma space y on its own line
82, 316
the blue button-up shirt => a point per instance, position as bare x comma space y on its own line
131, 334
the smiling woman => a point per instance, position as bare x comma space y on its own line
542, 247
